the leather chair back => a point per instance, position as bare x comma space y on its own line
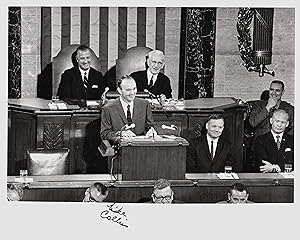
132, 60
66, 59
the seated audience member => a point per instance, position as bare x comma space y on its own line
162, 192
97, 192
81, 81
274, 148
152, 79
210, 152
126, 111
237, 194
14, 192
262, 110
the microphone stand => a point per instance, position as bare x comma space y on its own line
160, 103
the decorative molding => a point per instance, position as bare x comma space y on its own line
244, 20
256, 54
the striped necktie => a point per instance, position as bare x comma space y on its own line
85, 81
212, 150
151, 82
129, 119
278, 142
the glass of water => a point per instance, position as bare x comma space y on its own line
288, 167
228, 169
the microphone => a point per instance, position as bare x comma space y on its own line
172, 127
150, 94
103, 96
126, 127
158, 99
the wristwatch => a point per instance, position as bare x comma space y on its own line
274, 170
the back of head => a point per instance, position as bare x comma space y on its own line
238, 187
14, 192
161, 184
97, 192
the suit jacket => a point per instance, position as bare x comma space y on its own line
265, 148
113, 118
71, 85
198, 156
260, 117
162, 84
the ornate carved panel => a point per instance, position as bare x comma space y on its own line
53, 135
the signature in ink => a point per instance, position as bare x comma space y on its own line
116, 214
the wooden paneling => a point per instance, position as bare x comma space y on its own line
79, 129
22, 136
204, 188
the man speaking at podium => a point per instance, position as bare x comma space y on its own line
127, 115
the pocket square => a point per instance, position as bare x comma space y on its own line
95, 86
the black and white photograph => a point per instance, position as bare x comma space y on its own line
112, 109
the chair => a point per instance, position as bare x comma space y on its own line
47, 161
132, 60
66, 59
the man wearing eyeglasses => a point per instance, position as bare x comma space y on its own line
97, 192
152, 79
162, 192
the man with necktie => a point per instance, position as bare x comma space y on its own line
126, 116
210, 152
275, 148
81, 81
152, 79
262, 110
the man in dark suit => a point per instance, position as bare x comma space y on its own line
210, 152
262, 110
126, 115
81, 81
274, 149
152, 79
237, 194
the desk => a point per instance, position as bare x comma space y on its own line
195, 188
31, 124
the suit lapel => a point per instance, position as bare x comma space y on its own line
207, 152
136, 109
79, 82
272, 141
219, 149
121, 111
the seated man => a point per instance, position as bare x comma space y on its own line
237, 194
162, 192
97, 192
81, 81
127, 114
274, 148
210, 152
262, 110
14, 192
152, 79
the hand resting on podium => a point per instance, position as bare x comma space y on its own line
151, 132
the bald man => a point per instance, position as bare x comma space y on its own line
274, 148
152, 79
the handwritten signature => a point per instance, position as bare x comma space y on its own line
116, 214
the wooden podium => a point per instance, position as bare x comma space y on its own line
142, 158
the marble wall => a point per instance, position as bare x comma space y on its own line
231, 78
